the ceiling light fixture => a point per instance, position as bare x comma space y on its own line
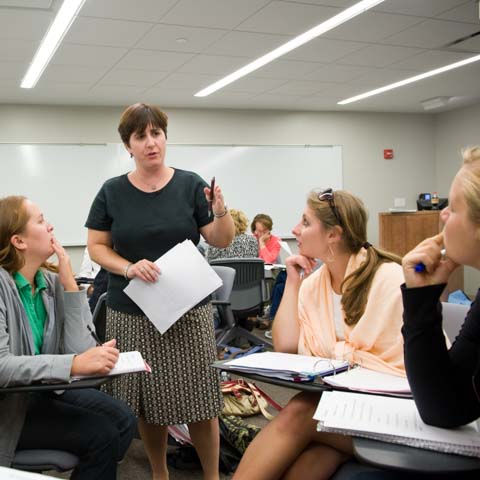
437, 102
296, 42
409, 80
51, 41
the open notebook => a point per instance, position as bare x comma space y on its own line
128, 362
393, 420
286, 366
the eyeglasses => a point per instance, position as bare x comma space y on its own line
327, 196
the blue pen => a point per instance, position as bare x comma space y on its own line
420, 267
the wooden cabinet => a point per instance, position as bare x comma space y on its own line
400, 232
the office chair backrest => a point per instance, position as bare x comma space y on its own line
99, 316
246, 296
453, 317
285, 251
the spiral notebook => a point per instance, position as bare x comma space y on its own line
393, 420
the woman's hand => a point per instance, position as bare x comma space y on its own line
96, 361
144, 270
65, 272
218, 203
437, 268
299, 267
263, 239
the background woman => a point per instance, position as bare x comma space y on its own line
134, 219
268, 244
445, 382
350, 308
43, 332
242, 246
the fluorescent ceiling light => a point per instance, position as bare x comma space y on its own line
50, 42
296, 42
416, 78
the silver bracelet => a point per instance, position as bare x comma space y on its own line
125, 271
220, 215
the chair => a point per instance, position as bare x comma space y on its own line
99, 316
221, 299
453, 317
41, 460
246, 297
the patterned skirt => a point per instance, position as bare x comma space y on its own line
183, 387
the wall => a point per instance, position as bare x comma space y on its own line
454, 131
362, 135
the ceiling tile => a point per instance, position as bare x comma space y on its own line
13, 70
251, 84
17, 51
324, 50
470, 45
72, 74
276, 102
87, 56
138, 78
26, 3
431, 34
288, 70
24, 24
420, 8
166, 37
144, 11
212, 13
153, 60
379, 55
106, 32
185, 81
372, 27
378, 77
300, 88
336, 73
431, 59
213, 64
287, 18
467, 12
246, 44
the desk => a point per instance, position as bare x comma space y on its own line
46, 387
401, 457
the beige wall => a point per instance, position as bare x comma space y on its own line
362, 135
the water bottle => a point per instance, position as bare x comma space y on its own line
434, 201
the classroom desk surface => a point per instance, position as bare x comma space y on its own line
45, 387
400, 457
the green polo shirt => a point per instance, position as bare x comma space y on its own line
33, 304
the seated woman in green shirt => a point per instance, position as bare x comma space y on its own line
44, 337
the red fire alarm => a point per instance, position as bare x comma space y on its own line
388, 153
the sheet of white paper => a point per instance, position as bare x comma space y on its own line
185, 279
388, 416
362, 379
287, 362
11, 474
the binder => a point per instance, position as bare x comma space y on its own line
393, 420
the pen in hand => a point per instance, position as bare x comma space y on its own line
212, 193
420, 267
95, 336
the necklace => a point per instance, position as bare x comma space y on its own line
150, 186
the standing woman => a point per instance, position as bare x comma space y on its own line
134, 219
445, 382
44, 321
350, 308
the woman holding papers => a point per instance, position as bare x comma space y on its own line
43, 332
445, 382
349, 309
134, 219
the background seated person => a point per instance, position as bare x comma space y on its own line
445, 382
43, 332
242, 246
268, 244
350, 308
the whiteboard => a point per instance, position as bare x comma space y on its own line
64, 179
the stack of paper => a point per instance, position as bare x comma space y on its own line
286, 366
394, 420
363, 380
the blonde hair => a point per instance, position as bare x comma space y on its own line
13, 221
352, 219
470, 176
240, 220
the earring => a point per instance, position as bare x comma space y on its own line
331, 258
131, 155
